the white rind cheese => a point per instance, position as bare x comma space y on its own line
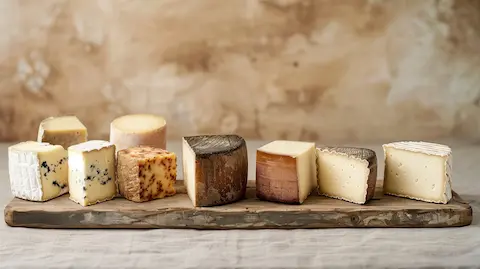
347, 173
38, 171
286, 171
138, 130
418, 170
64, 131
92, 172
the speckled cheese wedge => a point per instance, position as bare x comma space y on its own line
418, 170
146, 173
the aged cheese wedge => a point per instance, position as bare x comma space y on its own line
91, 176
145, 173
138, 130
38, 171
347, 173
64, 131
215, 169
286, 171
418, 170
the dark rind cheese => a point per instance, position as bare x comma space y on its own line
361, 154
215, 169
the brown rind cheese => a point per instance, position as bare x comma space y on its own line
277, 183
215, 169
145, 173
286, 171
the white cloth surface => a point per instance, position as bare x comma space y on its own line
320, 248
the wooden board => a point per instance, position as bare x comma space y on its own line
251, 213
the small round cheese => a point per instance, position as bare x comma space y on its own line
138, 130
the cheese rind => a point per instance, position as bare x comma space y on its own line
138, 130
92, 172
146, 173
38, 171
286, 171
418, 170
347, 173
215, 169
64, 131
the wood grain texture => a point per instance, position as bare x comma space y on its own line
276, 178
251, 213
221, 169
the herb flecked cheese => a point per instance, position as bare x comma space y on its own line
146, 173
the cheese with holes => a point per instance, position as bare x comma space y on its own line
64, 131
146, 173
215, 169
38, 171
286, 171
347, 173
418, 170
91, 176
138, 130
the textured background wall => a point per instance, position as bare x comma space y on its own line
298, 69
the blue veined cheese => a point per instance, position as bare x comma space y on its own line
418, 170
38, 171
91, 174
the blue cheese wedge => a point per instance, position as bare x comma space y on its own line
91, 175
418, 170
38, 171
64, 131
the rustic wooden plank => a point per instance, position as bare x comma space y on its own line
250, 213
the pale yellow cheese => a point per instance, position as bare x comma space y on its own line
418, 170
347, 173
138, 130
64, 131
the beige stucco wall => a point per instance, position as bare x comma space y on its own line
296, 69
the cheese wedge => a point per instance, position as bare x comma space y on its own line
418, 170
91, 176
215, 169
64, 131
146, 173
38, 171
138, 130
347, 173
286, 171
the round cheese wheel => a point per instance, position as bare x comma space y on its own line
138, 130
